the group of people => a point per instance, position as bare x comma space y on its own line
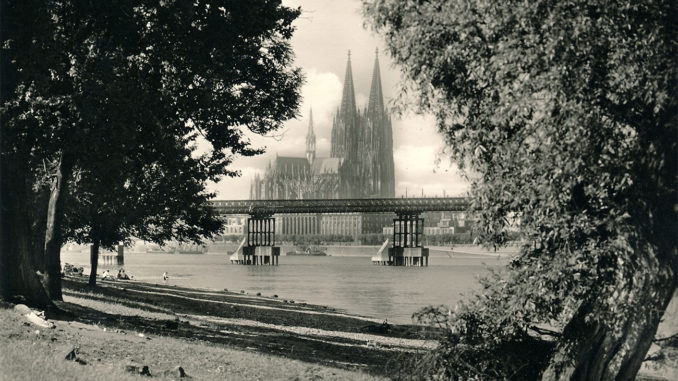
72, 270
122, 275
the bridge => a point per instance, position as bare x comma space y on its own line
408, 227
400, 206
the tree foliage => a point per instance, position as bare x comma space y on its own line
566, 115
135, 105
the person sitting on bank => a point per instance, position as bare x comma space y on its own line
122, 274
165, 276
106, 274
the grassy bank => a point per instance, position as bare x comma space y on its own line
119, 327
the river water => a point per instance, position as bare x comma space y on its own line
346, 280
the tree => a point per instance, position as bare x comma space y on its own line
20, 207
136, 87
566, 114
113, 203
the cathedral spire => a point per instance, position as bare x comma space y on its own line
384, 176
344, 126
348, 107
375, 103
310, 140
310, 124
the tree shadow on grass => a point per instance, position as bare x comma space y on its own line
332, 351
172, 300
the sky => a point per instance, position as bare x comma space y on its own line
325, 32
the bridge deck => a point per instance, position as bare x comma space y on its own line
371, 205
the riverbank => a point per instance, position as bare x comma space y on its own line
120, 329
121, 326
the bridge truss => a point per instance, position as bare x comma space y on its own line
400, 206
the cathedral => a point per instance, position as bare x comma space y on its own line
361, 156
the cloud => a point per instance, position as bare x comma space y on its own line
441, 189
416, 130
322, 92
235, 188
361, 101
410, 159
323, 147
420, 167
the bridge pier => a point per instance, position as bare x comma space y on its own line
121, 255
408, 231
114, 259
260, 249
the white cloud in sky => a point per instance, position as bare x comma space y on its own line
410, 159
361, 101
412, 189
322, 92
323, 147
420, 167
418, 130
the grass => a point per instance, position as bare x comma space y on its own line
216, 335
211, 335
219, 335
40, 355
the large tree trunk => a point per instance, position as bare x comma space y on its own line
19, 280
53, 232
591, 350
94, 262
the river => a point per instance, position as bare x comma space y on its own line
345, 280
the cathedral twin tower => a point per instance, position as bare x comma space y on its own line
361, 156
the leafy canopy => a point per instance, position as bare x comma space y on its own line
564, 116
127, 91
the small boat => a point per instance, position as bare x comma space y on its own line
308, 251
183, 248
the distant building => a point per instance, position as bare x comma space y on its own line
234, 225
360, 166
439, 223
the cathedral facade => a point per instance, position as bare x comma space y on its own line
361, 156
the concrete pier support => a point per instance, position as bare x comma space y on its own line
261, 255
260, 248
408, 256
117, 258
408, 231
121, 255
